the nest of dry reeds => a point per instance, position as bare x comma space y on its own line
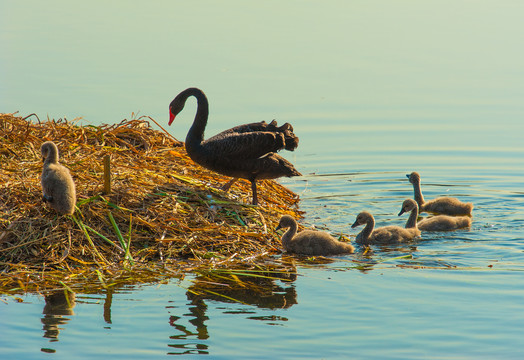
162, 207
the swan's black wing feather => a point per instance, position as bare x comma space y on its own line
244, 146
290, 139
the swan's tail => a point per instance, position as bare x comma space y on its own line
291, 140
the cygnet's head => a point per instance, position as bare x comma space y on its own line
285, 222
414, 177
362, 219
48, 148
407, 206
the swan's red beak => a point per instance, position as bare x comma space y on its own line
171, 117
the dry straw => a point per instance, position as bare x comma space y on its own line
162, 209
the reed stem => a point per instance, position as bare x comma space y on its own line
107, 174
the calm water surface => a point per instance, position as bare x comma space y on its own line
375, 90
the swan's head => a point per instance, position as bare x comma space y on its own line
414, 177
362, 218
285, 222
179, 101
407, 206
175, 107
49, 149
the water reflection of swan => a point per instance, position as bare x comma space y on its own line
263, 291
441, 205
261, 288
57, 305
187, 341
381, 235
310, 242
434, 223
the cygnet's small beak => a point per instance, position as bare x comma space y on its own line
401, 212
278, 227
408, 175
355, 224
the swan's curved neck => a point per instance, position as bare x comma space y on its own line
368, 229
412, 220
418, 194
196, 133
289, 235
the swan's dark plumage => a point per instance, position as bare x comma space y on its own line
57, 184
245, 151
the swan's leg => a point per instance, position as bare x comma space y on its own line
227, 186
254, 189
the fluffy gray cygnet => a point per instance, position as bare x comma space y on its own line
442, 205
382, 235
310, 242
57, 184
433, 223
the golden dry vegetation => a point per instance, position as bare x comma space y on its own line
163, 215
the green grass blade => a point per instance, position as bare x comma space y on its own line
224, 296
128, 254
87, 201
82, 227
117, 230
409, 256
103, 237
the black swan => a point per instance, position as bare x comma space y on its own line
57, 184
245, 151
434, 223
310, 242
441, 205
381, 235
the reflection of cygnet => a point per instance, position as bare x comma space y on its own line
310, 242
60, 302
441, 205
382, 235
57, 184
57, 304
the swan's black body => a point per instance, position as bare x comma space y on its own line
245, 151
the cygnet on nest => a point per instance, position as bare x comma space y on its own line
57, 184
